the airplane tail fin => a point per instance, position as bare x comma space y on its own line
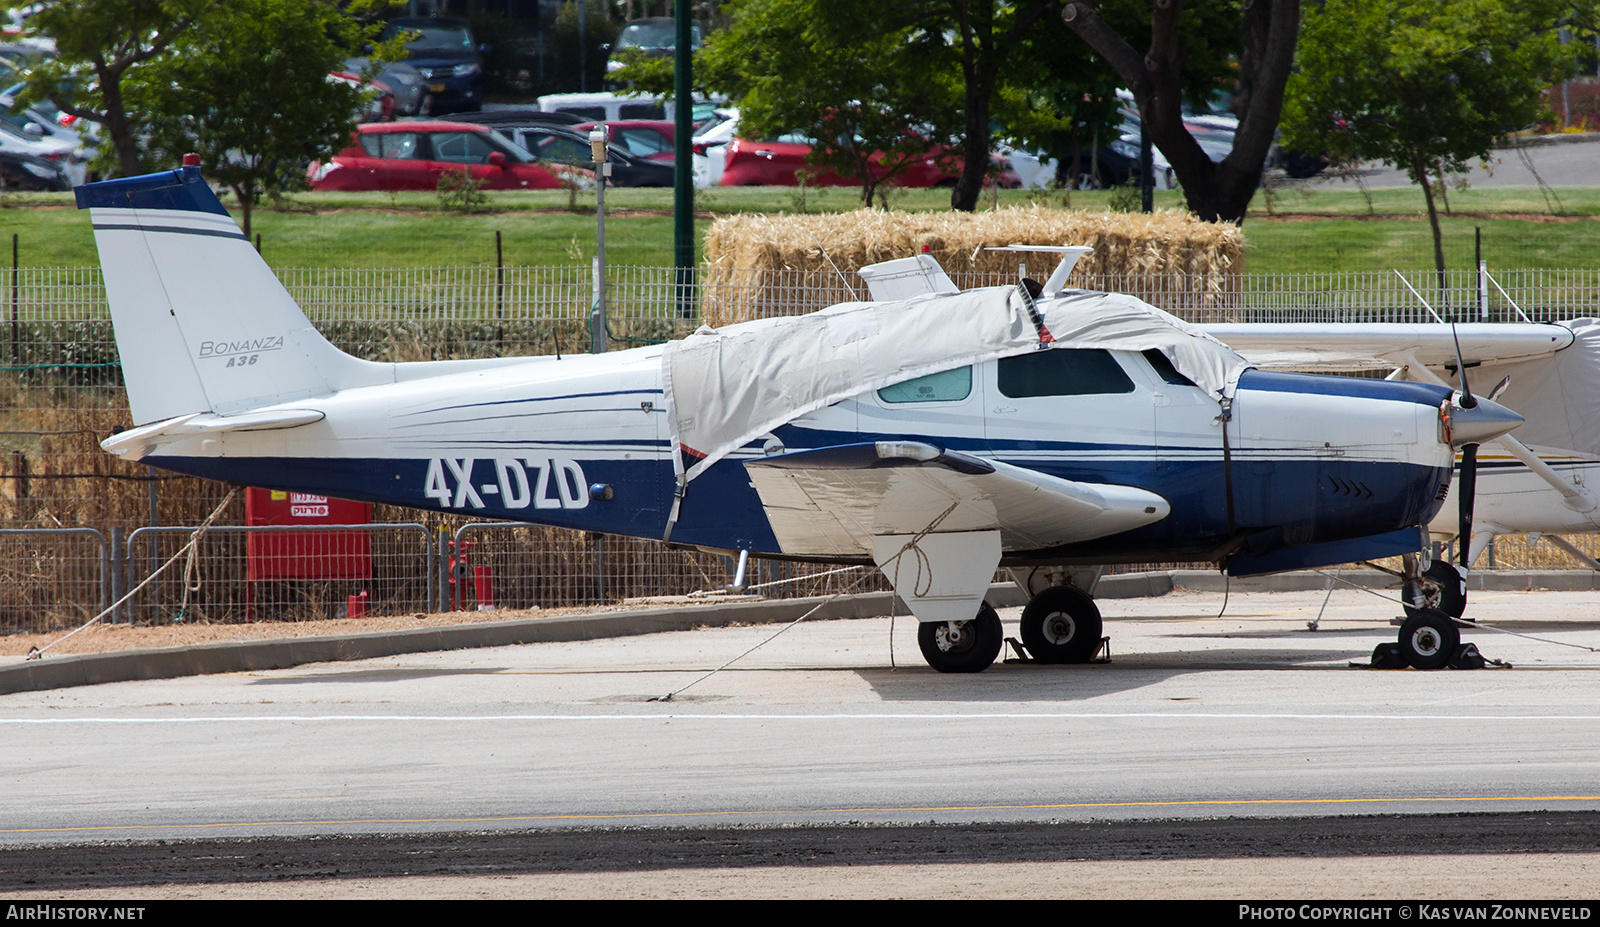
202, 324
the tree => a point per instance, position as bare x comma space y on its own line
99, 45
1424, 85
987, 37
249, 91
1058, 103
828, 70
1182, 56
929, 66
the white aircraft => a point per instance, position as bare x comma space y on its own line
1535, 483
935, 433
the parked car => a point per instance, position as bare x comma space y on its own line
710, 145
405, 82
611, 107
378, 99
776, 162
33, 141
414, 155
564, 145
45, 123
446, 55
656, 36
651, 139
26, 172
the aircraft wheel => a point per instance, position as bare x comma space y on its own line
1428, 639
1061, 625
1441, 591
962, 646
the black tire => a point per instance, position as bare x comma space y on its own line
1428, 640
1441, 591
976, 644
1061, 625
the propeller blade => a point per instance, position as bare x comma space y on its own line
1467, 402
1499, 388
1467, 494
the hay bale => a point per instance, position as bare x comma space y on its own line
762, 265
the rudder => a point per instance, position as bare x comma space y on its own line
202, 324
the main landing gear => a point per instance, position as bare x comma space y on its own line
962, 646
1059, 625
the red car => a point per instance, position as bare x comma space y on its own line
647, 138
413, 155
752, 163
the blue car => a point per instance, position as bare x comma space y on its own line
446, 54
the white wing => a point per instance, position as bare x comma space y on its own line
835, 500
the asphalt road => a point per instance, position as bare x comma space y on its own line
1248, 716
1569, 164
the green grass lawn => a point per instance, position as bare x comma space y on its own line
1296, 230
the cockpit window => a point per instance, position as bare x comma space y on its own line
1165, 370
945, 386
1062, 372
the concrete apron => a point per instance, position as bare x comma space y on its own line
242, 656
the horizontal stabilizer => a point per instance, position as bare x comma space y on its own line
137, 442
838, 499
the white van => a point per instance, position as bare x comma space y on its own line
611, 107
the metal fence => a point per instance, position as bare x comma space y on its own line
237, 575
513, 565
515, 295
52, 577
60, 394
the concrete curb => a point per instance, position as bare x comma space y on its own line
245, 656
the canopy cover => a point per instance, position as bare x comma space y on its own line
725, 387
1118, 322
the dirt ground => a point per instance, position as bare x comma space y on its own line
103, 638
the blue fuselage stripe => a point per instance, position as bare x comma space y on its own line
1356, 387
168, 230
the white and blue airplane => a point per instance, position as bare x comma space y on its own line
937, 434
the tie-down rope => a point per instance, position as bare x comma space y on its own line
188, 550
919, 588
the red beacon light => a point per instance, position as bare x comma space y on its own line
191, 160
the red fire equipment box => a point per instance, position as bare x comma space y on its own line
307, 554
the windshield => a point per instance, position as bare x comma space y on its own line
655, 35
433, 37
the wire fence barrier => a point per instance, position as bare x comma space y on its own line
276, 573
52, 578
513, 565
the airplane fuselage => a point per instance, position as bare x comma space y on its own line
583, 442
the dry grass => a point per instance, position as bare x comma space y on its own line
1171, 245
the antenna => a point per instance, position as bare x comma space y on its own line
1070, 254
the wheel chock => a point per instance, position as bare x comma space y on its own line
1021, 651
1467, 657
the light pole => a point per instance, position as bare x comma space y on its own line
598, 137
